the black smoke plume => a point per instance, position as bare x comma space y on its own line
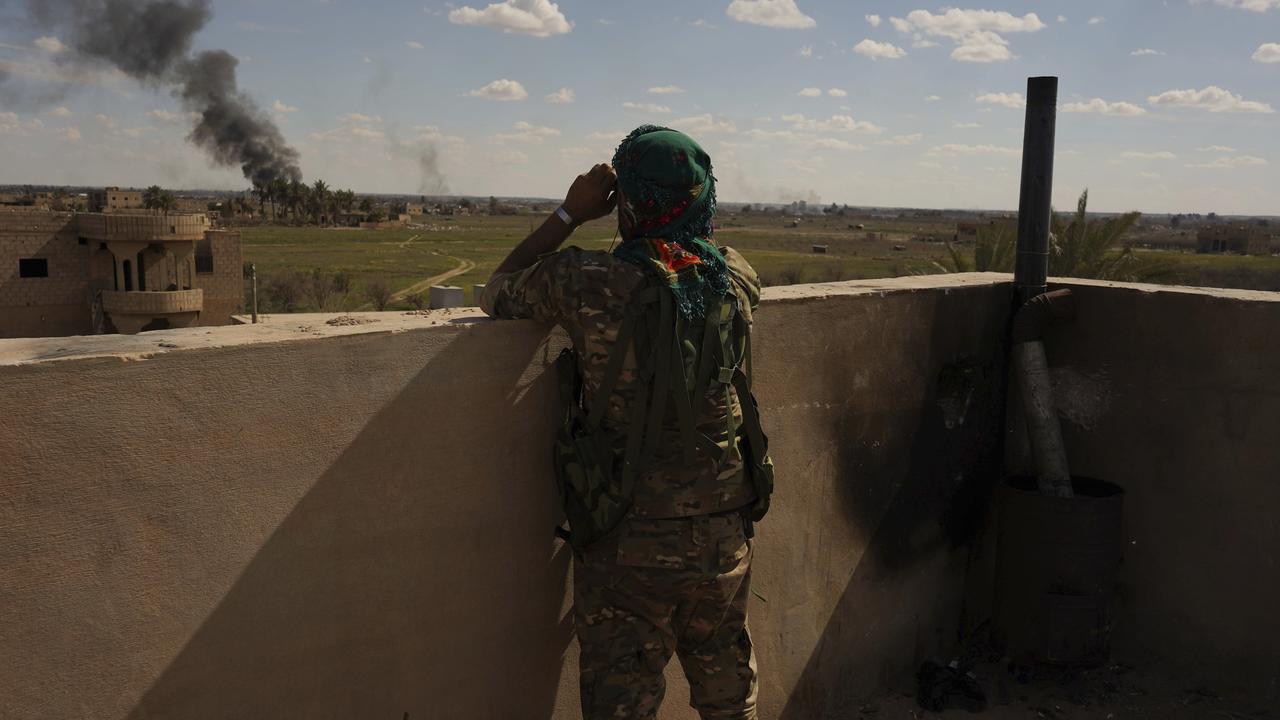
150, 41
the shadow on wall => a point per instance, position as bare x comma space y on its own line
384, 593
916, 479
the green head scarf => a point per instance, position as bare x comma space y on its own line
669, 200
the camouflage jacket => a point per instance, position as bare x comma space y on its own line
587, 292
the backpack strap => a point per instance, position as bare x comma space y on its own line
661, 359
680, 396
708, 359
607, 384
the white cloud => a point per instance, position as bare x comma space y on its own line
539, 18
281, 107
704, 124
63, 73
50, 44
1216, 148
826, 143
59, 111
414, 44
918, 42
563, 96
1102, 107
70, 134
837, 92
509, 156
1212, 98
106, 121
503, 89
526, 133
873, 20
977, 34
967, 125
167, 116
1148, 175
953, 150
1009, 100
911, 139
1267, 53
1159, 155
1231, 161
804, 139
665, 90
647, 107
1254, 5
806, 51
932, 98
1145, 51
876, 50
1097, 20
1062, 18
9, 122
770, 13
352, 125
811, 92
836, 123
700, 23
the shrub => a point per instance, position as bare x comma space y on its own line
378, 292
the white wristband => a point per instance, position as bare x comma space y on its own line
560, 213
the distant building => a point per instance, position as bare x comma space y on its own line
89, 273
1236, 238
967, 230
415, 208
111, 199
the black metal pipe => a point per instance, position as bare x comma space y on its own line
1032, 264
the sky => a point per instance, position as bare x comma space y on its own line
1163, 106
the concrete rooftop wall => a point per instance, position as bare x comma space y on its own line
303, 520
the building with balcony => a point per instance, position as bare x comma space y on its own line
355, 520
113, 199
1237, 238
90, 273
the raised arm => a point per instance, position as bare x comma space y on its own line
592, 195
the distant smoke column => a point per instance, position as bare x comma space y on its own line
230, 126
431, 179
150, 40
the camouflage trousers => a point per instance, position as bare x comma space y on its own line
656, 587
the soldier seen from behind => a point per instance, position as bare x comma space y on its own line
660, 460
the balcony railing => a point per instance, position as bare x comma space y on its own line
152, 303
173, 227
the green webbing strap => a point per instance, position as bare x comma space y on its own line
611, 372
750, 415
635, 433
714, 317
661, 377
631, 461
680, 396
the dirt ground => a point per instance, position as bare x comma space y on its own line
1114, 692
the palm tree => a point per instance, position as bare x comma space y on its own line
319, 199
151, 197
279, 192
993, 251
261, 189
294, 197
1077, 248
1096, 249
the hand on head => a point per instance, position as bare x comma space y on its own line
592, 194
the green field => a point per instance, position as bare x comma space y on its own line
779, 248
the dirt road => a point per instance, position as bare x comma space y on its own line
462, 267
